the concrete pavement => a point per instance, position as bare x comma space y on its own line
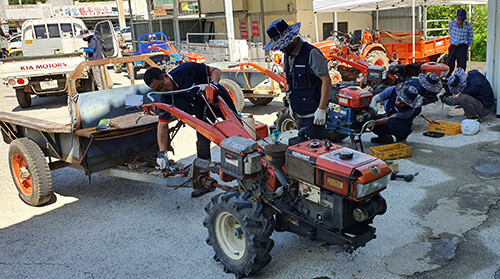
443, 224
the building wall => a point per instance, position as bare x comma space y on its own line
493, 50
289, 10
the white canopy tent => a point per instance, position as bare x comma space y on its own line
376, 5
373, 5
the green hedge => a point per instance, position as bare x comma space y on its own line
479, 23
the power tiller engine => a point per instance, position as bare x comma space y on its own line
349, 109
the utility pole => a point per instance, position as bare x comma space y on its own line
177, 32
228, 7
121, 14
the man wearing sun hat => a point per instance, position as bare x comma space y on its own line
472, 91
461, 36
402, 104
428, 86
307, 76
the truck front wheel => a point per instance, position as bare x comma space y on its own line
23, 98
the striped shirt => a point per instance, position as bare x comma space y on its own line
461, 35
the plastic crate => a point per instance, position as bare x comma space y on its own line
448, 128
391, 151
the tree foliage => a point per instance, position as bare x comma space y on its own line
479, 23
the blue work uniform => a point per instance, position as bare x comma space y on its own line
399, 126
96, 52
303, 69
185, 76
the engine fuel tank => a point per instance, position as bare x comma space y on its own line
333, 167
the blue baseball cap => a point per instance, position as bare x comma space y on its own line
461, 14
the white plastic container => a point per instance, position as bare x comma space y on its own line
249, 124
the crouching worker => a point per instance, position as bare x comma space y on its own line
182, 77
472, 92
402, 104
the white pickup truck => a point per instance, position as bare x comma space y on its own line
51, 50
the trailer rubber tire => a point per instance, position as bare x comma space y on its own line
23, 98
235, 92
239, 231
30, 172
284, 122
378, 58
261, 101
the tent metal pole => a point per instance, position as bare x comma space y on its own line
316, 26
335, 22
470, 18
376, 22
413, 27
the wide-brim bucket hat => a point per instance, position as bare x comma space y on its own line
458, 81
84, 34
281, 34
430, 82
409, 95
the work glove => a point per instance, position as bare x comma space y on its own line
319, 117
162, 159
373, 104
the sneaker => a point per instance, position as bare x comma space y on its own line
200, 192
382, 140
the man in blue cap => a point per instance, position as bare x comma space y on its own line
402, 104
461, 36
307, 76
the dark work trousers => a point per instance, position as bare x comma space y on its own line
307, 129
472, 106
397, 127
197, 107
457, 53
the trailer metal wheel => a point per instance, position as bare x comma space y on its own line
261, 101
239, 231
30, 172
285, 122
235, 92
23, 98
